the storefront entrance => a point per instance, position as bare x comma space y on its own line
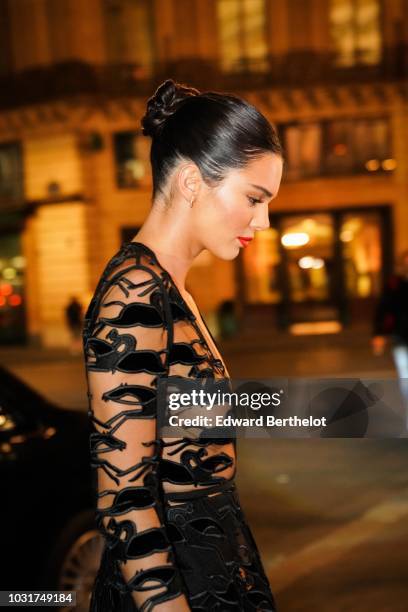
12, 304
317, 267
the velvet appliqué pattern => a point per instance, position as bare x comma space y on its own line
168, 508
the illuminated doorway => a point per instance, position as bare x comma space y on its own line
307, 245
366, 245
12, 298
316, 267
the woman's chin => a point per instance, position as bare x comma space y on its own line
227, 253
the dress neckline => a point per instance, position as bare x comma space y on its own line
154, 256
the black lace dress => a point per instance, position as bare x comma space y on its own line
168, 508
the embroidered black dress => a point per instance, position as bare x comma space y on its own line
168, 508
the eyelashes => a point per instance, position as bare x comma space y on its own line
254, 201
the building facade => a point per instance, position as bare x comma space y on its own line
74, 168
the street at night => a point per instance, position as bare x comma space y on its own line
199, 196
330, 516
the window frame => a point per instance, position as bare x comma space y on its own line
16, 200
138, 183
325, 152
244, 63
356, 61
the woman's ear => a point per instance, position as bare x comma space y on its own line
189, 181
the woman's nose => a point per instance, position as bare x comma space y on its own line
260, 220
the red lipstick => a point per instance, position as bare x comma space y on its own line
244, 241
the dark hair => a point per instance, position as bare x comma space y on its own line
217, 131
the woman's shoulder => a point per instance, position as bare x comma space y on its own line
133, 256
132, 263
132, 273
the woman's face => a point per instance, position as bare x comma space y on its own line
238, 207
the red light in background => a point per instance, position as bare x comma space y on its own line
2, 300
6, 289
15, 300
340, 149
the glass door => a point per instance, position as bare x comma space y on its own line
363, 260
261, 264
307, 246
315, 268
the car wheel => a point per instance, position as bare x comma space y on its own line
77, 558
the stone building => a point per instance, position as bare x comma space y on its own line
74, 170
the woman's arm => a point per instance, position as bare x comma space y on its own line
126, 353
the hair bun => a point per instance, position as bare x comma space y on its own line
167, 98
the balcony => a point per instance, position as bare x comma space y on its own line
68, 79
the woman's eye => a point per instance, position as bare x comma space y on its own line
253, 201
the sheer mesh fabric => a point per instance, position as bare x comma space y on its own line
138, 328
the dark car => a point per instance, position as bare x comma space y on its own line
48, 536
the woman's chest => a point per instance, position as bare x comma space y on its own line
195, 341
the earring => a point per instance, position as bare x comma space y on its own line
192, 202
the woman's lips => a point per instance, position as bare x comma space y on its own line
244, 241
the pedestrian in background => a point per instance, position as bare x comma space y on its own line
74, 318
391, 323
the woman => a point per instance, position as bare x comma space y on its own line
175, 535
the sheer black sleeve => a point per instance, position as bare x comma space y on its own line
126, 352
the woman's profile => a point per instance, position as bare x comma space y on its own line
175, 535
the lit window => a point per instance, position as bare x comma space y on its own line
343, 146
242, 35
303, 150
129, 34
131, 152
11, 176
360, 145
355, 31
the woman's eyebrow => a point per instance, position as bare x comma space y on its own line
266, 192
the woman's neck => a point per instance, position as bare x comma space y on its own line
165, 240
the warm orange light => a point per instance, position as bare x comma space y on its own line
315, 327
346, 235
389, 164
340, 149
372, 165
15, 300
2, 300
6, 289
